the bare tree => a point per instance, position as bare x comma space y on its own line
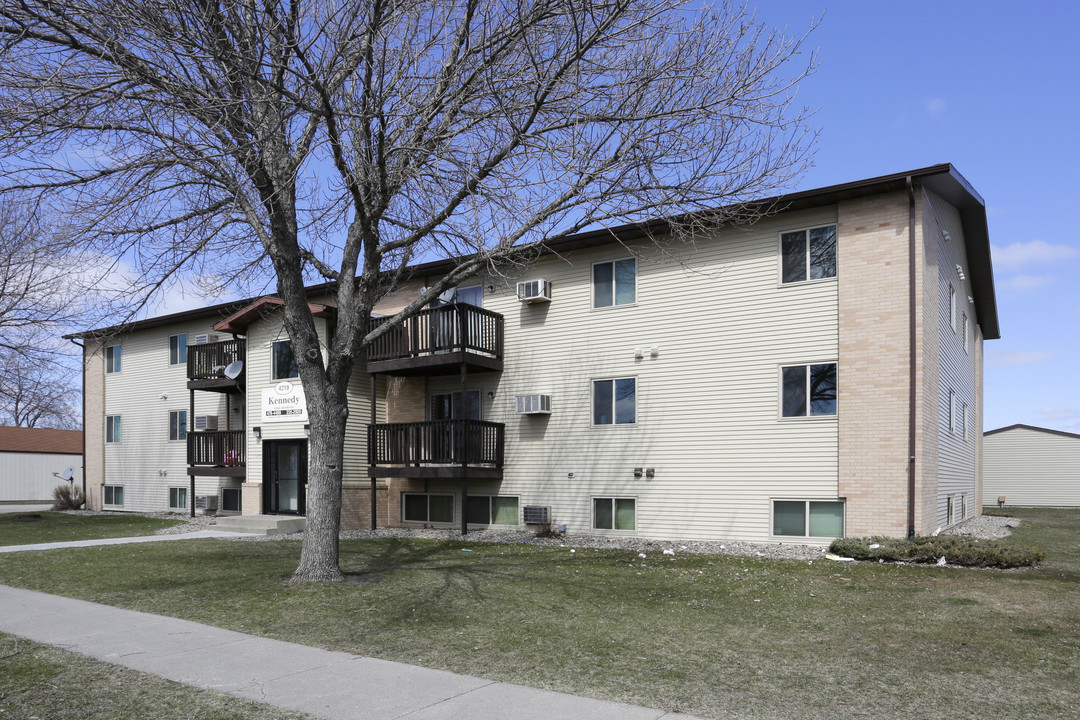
37, 394
345, 140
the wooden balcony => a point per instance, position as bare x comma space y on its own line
437, 449
219, 453
437, 340
206, 365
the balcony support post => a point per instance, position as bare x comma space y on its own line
191, 428
371, 441
463, 424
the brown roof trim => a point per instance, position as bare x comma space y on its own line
41, 440
239, 320
1019, 426
219, 310
942, 179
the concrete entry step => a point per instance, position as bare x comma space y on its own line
261, 524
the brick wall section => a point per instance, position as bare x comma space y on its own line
251, 495
406, 401
94, 421
872, 270
356, 505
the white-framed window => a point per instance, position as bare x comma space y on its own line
808, 518
966, 325
230, 499
178, 424
614, 283
950, 510
112, 358
178, 498
283, 364
952, 307
427, 508
178, 349
614, 401
112, 428
967, 423
808, 390
964, 420
952, 412
113, 495
963, 507
473, 295
492, 510
613, 513
808, 254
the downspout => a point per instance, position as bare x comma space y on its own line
86, 501
912, 358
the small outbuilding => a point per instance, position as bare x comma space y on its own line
29, 457
1031, 467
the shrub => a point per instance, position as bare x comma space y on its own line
547, 530
956, 549
67, 497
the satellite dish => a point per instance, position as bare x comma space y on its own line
233, 369
69, 473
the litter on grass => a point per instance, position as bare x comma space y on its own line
837, 558
669, 552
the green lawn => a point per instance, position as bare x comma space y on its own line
38, 681
62, 527
721, 637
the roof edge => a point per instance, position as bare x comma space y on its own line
1021, 426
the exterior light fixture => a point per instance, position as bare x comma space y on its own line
307, 430
639, 352
257, 432
637, 472
650, 472
654, 351
946, 236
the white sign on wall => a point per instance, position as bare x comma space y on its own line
284, 402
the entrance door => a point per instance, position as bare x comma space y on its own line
284, 476
448, 442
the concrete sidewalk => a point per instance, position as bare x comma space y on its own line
322, 683
197, 535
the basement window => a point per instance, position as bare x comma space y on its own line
808, 518
427, 508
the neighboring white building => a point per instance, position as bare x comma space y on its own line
796, 378
29, 457
1031, 467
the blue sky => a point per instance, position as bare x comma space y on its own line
992, 88
989, 87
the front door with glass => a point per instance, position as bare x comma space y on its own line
284, 477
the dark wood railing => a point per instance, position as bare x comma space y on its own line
217, 448
208, 361
437, 442
448, 328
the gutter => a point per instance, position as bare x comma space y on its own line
912, 358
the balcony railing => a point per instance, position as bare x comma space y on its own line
463, 443
208, 361
461, 328
218, 449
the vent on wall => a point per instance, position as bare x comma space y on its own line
533, 404
536, 514
206, 422
534, 291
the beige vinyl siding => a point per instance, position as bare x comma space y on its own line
708, 407
28, 477
956, 367
1031, 468
135, 394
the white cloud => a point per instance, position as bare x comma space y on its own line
1027, 283
1004, 358
1056, 412
934, 106
1036, 252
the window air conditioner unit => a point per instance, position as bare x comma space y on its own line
206, 422
533, 404
536, 514
534, 291
204, 338
206, 503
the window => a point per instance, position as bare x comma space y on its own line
614, 514
952, 412
230, 499
963, 507
809, 390
113, 495
447, 406
283, 362
178, 349
615, 401
178, 424
471, 295
967, 423
615, 283
112, 359
967, 331
950, 510
808, 518
416, 507
963, 421
178, 498
808, 254
952, 307
112, 428
492, 510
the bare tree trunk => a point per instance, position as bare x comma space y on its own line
326, 446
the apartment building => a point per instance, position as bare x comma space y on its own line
815, 374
